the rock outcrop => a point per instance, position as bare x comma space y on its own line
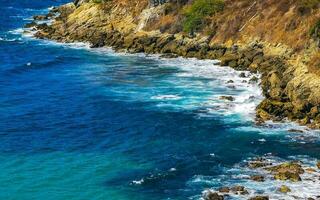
291, 90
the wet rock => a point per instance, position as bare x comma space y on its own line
228, 98
254, 79
257, 178
260, 198
212, 196
30, 25
287, 171
310, 170
242, 75
318, 164
295, 131
258, 163
284, 189
40, 17
239, 190
169, 55
230, 81
224, 190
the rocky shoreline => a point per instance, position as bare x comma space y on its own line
283, 101
265, 169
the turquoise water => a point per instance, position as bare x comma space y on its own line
80, 123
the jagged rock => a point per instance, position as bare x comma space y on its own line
30, 25
224, 190
212, 196
228, 98
229, 59
284, 189
242, 75
239, 190
287, 171
40, 17
257, 178
258, 163
254, 79
260, 198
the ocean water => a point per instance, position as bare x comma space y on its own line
79, 123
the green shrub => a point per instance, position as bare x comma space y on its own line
315, 30
312, 4
97, 1
196, 14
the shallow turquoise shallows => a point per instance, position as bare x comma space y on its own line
91, 124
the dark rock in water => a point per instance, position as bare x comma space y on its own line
284, 189
40, 17
30, 25
287, 171
231, 86
257, 178
260, 198
224, 190
213, 196
254, 79
242, 75
228, 98
230, 81
169, 55
295, 131
239, 190
258, 163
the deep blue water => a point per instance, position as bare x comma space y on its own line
77, 123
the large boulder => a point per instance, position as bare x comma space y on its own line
287, 171
212, 196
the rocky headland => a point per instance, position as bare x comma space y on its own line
267, 37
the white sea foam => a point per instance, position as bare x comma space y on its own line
138, 182
200, 84
309, 187
166, 97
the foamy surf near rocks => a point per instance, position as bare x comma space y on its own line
104, 24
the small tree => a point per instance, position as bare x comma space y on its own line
198, 11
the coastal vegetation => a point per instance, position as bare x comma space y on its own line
198, 11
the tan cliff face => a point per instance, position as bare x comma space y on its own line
271, 36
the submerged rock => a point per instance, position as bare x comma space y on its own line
284, 189
228, 98
295, 131
257, 178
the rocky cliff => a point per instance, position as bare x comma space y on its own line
278, 39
